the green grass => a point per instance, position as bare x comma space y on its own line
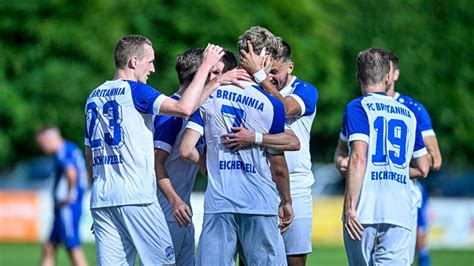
30, 254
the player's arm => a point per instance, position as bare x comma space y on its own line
88, 155
356, 172
188, 146
70, 173
230, 77
181, 211
434, 154
280, 176
242, 137
341, 157
419, 164
192, 96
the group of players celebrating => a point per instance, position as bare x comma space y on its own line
247, 128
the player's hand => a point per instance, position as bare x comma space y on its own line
233, 76
241, 138
182, 213
285, 216
353, 226
212, 55
253, 62
341, 165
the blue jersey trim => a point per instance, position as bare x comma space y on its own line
422, 116
167, 128
278, 122
143, 96
355, 119
308, 94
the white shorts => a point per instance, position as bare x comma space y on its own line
298, 236
183, 243
122, 231
258, 237
381, 244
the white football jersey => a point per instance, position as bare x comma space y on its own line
168, 135
390, 130
239, 182
299, 162
119, 131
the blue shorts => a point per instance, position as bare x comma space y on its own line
422, 221
66, 226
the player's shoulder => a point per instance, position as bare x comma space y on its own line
415, 106
357, 102
301, 84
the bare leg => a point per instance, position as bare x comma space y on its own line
296, 260
49, 253
77, 256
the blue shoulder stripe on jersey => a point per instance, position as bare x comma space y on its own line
167, 128
197, 118
308, 93
423, 119
143, 96
278, 123
355, 119
419, 143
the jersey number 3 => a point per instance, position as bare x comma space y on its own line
112, 135
395, 132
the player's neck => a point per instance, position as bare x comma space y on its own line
374, 88
124, 74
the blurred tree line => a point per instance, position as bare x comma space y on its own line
53, 53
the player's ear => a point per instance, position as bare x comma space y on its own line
132, 63
291, 65
396, 73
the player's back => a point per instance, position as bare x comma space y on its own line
391, 136
241, 181
119, 133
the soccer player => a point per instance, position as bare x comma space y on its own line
176, 176
241, 202
429, 138
385, 150
299, 99
434, 155
119, 151
69, 185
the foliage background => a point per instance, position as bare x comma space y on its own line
54, 52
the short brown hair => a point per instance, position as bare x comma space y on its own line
187, 64
372, 66
259, 37
128, 46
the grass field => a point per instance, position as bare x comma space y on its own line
29, 254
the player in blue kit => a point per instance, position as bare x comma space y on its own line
241, 205
69, 185
429, 138
385, 150
176, 176
299, 99
119, 151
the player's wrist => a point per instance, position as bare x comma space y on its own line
260, 76
258, 138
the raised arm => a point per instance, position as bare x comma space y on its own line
191, 98
242, 138
181, 211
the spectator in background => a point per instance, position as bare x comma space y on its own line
70, 182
